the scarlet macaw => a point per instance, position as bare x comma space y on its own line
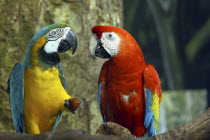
129, 90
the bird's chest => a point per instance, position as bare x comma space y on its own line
124, 93
124, 106
123, 98
41, 91
41, 83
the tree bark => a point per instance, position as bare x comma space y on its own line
197, 129
21, 19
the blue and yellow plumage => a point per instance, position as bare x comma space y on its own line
37, 88
153, 98
151, 112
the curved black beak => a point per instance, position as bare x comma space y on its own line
100, 51
69, 42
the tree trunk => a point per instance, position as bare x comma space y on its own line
21, 19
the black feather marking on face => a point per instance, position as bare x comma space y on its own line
51, 59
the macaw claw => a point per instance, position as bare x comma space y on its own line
72, 104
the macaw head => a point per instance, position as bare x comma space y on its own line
48, 42
111, 42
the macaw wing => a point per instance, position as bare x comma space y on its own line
100, 93
151, 113
57, 121
16, 95
100, 86
153, 97
63, 81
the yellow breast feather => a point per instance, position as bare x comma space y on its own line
44, 98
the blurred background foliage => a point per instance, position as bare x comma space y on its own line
173, 35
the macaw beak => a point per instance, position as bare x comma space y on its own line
69, 42
96, 48
100, 51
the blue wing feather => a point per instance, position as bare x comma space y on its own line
98, 93
16, 94
99, 99
63, 81
149, 115
57, 122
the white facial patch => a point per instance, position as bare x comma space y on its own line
93, 44
110, 41
54, 37
52, 46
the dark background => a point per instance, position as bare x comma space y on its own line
175, 37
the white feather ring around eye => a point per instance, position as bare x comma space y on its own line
111, 42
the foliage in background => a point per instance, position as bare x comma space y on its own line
174, 36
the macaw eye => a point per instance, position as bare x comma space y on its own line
53, 32
111, 36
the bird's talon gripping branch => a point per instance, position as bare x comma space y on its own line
72, 104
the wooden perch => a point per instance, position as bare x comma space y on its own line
197, 129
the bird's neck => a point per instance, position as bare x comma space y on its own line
39, 58
126, 73
128, 64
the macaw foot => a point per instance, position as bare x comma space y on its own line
72, 104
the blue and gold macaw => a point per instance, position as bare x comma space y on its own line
37, 88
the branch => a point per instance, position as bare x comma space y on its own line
197, 129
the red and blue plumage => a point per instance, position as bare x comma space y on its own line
129, 91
